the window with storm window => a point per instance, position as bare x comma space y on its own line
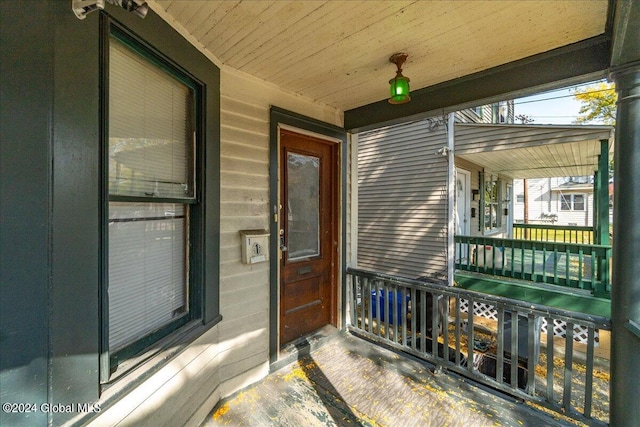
152, 196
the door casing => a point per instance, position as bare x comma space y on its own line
280, 118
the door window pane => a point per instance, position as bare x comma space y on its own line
303, 206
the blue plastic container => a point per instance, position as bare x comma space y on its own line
388, 303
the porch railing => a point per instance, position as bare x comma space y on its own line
553, 233
437, 323
574, 265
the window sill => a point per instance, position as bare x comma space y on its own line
135, 371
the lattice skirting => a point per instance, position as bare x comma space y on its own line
580, 333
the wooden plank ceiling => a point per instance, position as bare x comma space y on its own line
535, 151
336, 52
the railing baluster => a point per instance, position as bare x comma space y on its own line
500, 349
550, 353
377, 305
457, 331
531, 356
568, 368
514, 349
588, 382
423, 320
353, 298
403, 314
555, 264
393, 311
580, 256
445, 328
435, 299
544, 263
522, 262
533, 262
470, 361
386, 310
567, 270
513, 261
414, 310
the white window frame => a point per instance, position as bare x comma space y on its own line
570, 200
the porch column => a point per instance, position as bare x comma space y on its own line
602, 194
625, 295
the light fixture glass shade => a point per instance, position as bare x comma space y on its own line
399, 89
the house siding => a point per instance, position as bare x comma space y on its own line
245, 162
25, 162
402, 200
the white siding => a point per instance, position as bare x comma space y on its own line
402, 200
244, 183
544, 198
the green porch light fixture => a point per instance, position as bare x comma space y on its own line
399, 85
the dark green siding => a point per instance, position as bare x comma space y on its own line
26, 99
51, 197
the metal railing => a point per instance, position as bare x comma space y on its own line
573, 265
553, 233
433, 322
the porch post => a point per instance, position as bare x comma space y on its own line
603, 193
594, 214
625, 294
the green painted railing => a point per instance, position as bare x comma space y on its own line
553, 233
580, 266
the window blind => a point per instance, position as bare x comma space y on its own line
150, 160
147, 277
150, 128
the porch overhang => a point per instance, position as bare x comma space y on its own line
461, 53
533, 151
580, 62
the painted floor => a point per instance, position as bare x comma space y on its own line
348, 381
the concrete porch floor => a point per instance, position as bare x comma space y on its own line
342, 380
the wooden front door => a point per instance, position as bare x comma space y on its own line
308, 239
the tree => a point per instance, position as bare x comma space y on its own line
598, 103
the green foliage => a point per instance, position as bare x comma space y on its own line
598, 103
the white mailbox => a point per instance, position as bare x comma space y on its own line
255, 246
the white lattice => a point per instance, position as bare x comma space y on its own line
580, 333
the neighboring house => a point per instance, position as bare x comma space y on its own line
403, 231
179, 198
559, 201
407, 230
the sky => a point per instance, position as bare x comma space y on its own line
554, 107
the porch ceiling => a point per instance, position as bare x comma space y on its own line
534, 151
336, 52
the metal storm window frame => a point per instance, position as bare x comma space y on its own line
152, 206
